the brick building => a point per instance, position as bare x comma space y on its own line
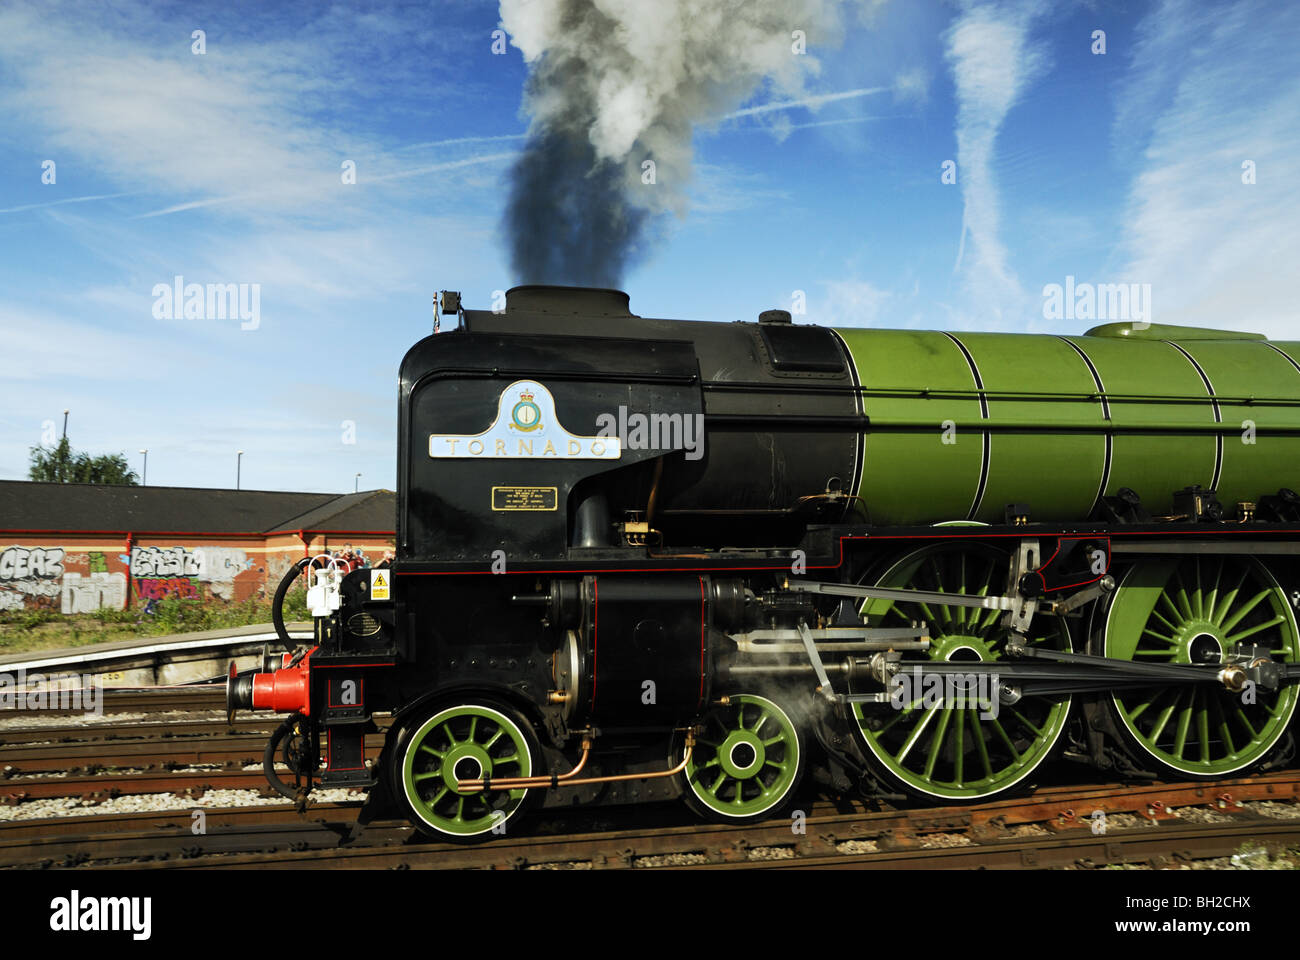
77, 547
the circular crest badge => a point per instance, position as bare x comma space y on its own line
527, 416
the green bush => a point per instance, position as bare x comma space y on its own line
28, 620
19, 628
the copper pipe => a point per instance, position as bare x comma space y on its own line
654, 494
522, 782
512, 783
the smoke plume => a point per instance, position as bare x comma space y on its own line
616, 83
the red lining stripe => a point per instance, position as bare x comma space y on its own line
700, 703
595, 638
940, 534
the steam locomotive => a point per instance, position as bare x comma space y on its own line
645, 558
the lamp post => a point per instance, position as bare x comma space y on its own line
356, 481
144, 471
239, 461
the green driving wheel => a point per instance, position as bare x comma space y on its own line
458, 743
746, 763
1196, 610
965, 744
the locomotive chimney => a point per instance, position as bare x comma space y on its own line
568, 301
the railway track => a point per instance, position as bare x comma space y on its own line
1042, 831
130, 730
94, 761
1054, 827
211, 696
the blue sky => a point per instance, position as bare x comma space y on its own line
225, 168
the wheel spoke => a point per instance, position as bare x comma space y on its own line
980, 746
1212, 598
1168, 641
1238, 637
1221, 721
1169, 605
1203, 729
1180, 596
1021, 717
1163, 719
937, 743
1184, 722
898, 716
1164, 620
959, 748
961, 588
915, 735
1245, 722
1226, 603
1141, 707
1250, 605
938, 588
1002, 733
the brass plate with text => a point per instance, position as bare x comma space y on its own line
525, 498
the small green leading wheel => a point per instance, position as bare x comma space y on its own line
747, 763
465, 742
1196, 610
963, 748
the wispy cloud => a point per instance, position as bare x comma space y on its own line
853, 303
992, 59
811, 102
1218, 251
59, 203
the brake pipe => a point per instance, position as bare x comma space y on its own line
514, 783
536, 781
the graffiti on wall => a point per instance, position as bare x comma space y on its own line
29, 573
93, 591
160, 571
